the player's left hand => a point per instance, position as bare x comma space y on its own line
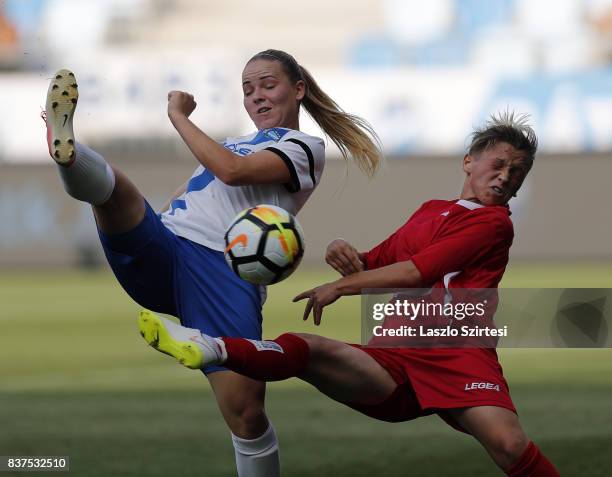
318, 298
180, 102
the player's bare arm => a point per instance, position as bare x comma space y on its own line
396, 275
263, 167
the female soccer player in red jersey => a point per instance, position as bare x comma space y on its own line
173, 262
462, 243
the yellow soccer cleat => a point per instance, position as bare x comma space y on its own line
188, 345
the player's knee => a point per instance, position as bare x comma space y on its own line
507, 447
242, 406
246, 418
318, 346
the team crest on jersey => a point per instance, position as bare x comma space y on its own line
274, 134
265, 135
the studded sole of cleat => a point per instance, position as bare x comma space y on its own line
62, 98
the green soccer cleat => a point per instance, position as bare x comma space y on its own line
189, 346
62, 98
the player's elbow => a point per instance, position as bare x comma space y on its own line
411, 276
232, 174
230, 179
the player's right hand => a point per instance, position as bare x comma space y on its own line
180, 102
318, 298
343, 257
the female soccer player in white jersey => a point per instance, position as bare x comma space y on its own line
447, 245
173, 262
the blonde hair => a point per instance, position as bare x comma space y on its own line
353, 135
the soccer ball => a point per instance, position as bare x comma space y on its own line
264, 244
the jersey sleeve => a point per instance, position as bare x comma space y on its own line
304, 156
379, 256
463, 243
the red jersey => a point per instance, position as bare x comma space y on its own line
458, 240
454, 244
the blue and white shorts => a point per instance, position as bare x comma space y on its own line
169, 274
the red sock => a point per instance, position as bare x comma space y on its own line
532, 464
282, 358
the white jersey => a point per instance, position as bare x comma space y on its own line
203, 213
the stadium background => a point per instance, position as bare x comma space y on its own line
75, 378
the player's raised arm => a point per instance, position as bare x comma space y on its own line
263, 167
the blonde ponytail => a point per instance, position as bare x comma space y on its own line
353, 135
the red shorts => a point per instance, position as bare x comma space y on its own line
430, 381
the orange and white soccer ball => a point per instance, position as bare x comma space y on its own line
264, 244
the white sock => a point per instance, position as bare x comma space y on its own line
257, 457
89, 178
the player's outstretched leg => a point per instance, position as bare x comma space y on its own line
337, 369
196, 350
118, 205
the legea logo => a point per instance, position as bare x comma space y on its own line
471, 386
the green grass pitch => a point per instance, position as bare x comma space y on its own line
76, 379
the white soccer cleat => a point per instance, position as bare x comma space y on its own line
189, 346
62, 98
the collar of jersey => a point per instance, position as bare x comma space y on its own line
468, 204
